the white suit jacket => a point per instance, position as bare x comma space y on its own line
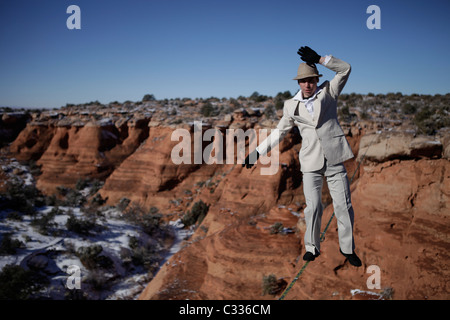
322, 136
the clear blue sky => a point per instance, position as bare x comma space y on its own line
198, 48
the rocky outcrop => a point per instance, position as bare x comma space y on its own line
444, 137
404, 207
150, 177
386, 146
32, 141
401, 212
71, 152
228, 262
400, 194
11, 124
400, 227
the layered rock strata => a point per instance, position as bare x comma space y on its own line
400, 195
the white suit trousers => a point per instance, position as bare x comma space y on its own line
339, 187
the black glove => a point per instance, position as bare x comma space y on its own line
251, 156
308, 55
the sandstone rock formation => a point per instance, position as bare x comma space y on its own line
401, 226
69, 150
399, 145
11, 124
400, 194
32, 141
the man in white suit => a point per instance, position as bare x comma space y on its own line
324, 149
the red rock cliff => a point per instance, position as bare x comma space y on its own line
400, 195
402, 210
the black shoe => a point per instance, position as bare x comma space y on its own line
309, 256
352, 258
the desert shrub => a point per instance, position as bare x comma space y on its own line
56, 211
97, 279
387, 293
423, 120
18, 283
44, 222
91, 211
255, 96
277, 227
82, 183
35, 170
75, 294
409, 108
123, 204
141, 252
196, 214
62, 191
143, 256
125, 255
9, 245
80, 226
74, 198
21, 197
144, 253
272, 285
344, 113
270, 112
153, 210
134, 210
91, 257
14, 215
149, 97
200, 184
283, 95
279, 104
52, 200
430, 119
94, 184
207, 110
365, 115
133, 242
149, 221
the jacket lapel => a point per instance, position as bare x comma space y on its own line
300, 113
304, 114
317, 109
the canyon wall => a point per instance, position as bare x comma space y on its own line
402, 210
69, 150
400, 193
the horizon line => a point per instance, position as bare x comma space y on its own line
214, 97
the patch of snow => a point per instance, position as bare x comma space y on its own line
369, 294
181, 234
20, 172
115, 235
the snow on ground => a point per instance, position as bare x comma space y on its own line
54, 250
59, 250
116, 235
367, 295
181, 234
13, 168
